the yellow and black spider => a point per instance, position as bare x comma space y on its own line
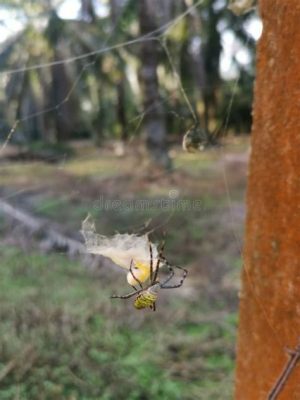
147, 296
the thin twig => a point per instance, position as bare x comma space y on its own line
288, 369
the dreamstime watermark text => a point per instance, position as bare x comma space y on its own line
163, 204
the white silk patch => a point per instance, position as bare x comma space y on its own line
120, 248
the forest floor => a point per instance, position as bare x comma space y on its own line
62, 337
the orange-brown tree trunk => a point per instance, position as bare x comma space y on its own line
270, 296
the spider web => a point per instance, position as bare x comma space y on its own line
159, 36
151, 36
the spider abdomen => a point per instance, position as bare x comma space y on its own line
146, 298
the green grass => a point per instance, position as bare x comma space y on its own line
85, 346
129, 219
63, 338
60, 209
95, 165
55, 150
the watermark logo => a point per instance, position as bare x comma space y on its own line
174, 194
172, 202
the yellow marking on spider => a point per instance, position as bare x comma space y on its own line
145, 299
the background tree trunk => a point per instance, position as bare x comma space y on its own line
270, 297
65, 117
116, 9
154, 121
87, 11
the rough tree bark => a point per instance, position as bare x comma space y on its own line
270, 297
150, 12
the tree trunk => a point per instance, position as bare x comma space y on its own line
270, 297
121, 109
196, 63
116, 8
87, 11
65, 117
154, 120
212, 52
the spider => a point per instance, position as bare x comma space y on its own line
147, 296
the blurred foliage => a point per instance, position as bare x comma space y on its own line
60, 334
63, 338
99, 96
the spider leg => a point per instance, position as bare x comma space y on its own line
173, 266
158, 261
169, 277
184, 274
126, 296
134, 277
151, 262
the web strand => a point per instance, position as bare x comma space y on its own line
177, 77
147, 37
154, 35
157, 35
223, 128
234, 232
